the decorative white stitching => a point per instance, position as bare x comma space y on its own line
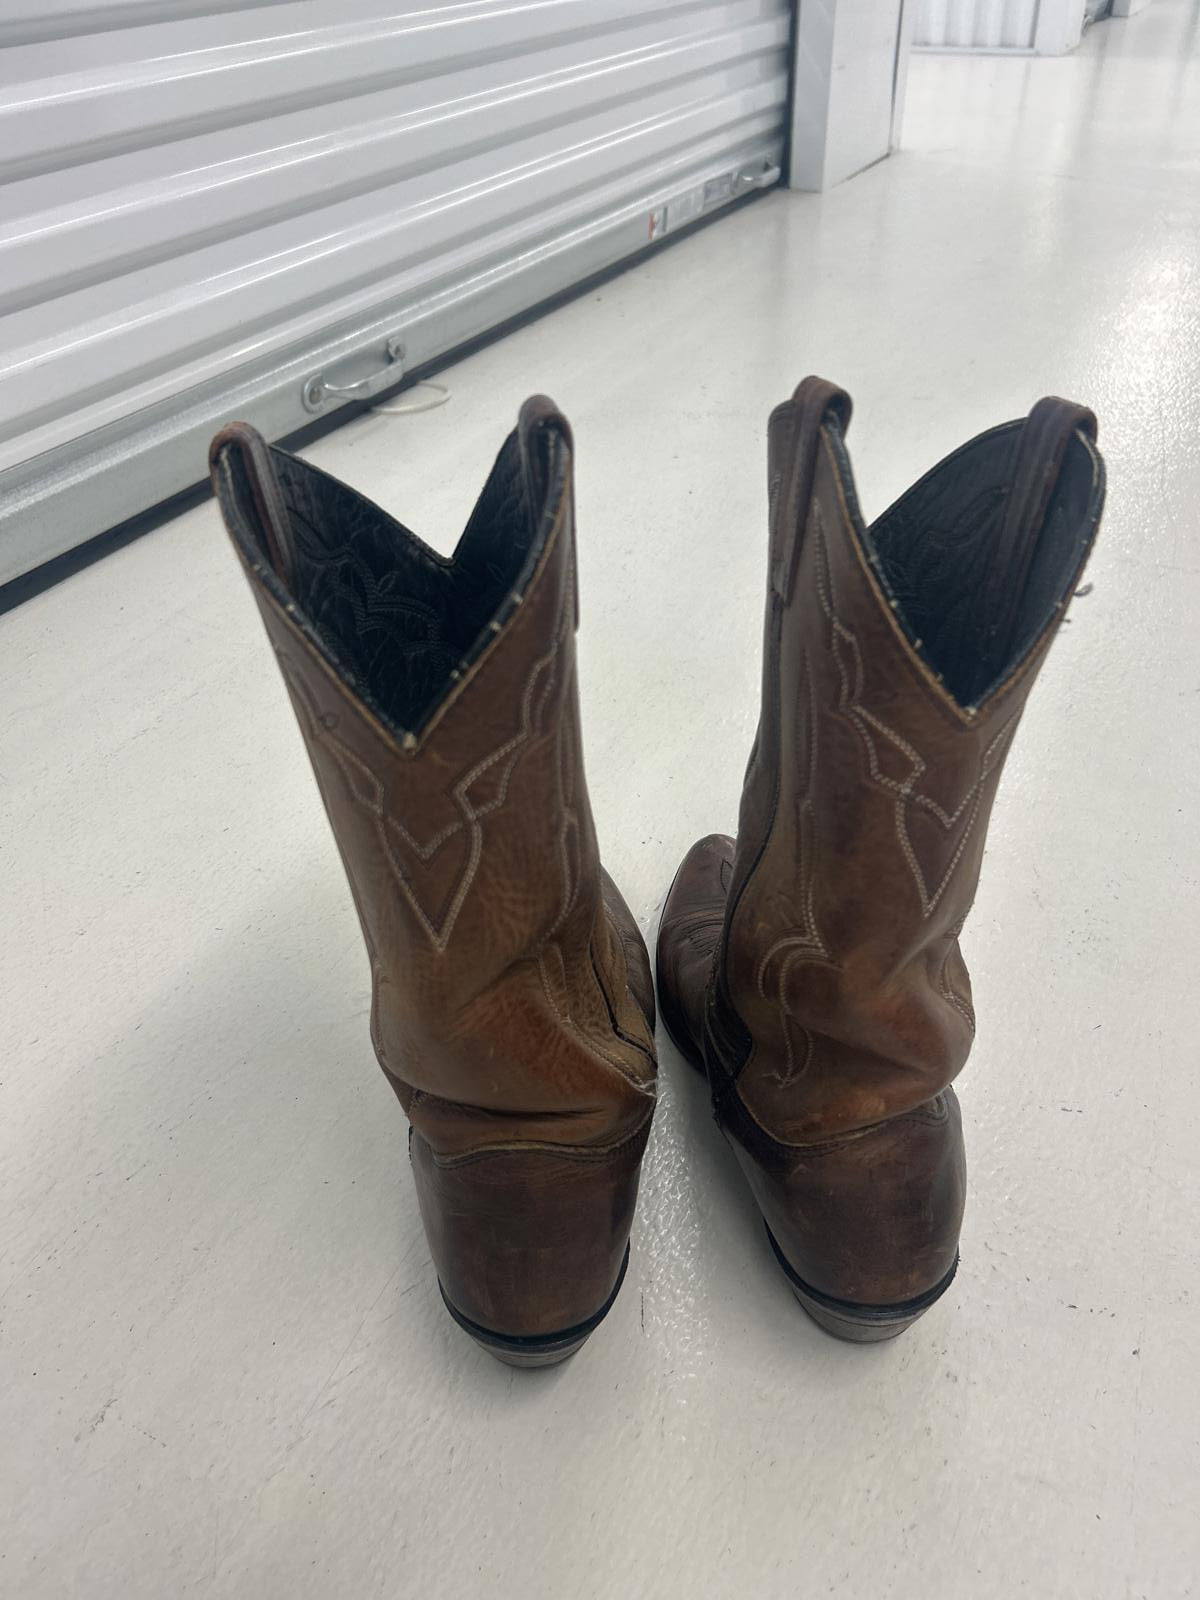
790, 1072
808, 945
565, 769
568, 1021
959, 1004
850, 705
956, 1000
808, 941
372, 796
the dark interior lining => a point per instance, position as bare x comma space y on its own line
940, 556
399, 619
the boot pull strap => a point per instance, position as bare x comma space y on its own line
541, 428
1041, 449
793, 441
258, 470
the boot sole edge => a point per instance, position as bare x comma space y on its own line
535, 1350
855, 1322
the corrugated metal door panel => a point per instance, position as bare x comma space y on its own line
201, 210
976, 24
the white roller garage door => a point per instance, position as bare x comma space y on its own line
213, 207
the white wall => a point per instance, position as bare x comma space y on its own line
850, 64
1043, 27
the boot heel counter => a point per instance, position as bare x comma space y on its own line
528, 1242
873, 1219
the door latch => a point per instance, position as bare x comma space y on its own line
320, 391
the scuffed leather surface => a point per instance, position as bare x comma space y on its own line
504, 1007
841, 958
874, 1218
815, 964
529, 1240
835, 955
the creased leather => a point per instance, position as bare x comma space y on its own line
814, 964
506, 970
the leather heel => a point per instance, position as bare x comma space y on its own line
530, 1245
859, 1324
544, 1350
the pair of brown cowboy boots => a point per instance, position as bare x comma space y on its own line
810, 967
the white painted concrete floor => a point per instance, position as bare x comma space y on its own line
226, 1371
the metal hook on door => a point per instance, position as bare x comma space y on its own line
318, 392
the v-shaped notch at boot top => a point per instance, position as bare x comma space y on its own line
400, 624
983, 553
813, 964
511, 998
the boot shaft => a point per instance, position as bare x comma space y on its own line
896, 663
438, 702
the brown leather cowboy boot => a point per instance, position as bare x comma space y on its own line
813, 966
513, 1011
